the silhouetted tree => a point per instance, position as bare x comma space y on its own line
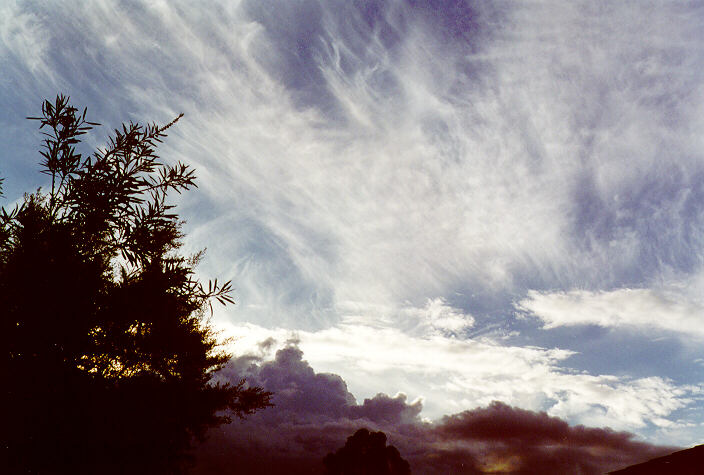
366, 453
107, 351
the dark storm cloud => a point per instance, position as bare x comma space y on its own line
300, 391
389, 410
314, 413
529, 439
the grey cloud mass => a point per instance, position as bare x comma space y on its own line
314, 413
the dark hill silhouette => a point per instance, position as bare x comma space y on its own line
684, 462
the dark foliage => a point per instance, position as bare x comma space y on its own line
366, 453
107, 352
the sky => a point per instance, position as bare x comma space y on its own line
470, 209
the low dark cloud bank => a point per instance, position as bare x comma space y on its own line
315, 414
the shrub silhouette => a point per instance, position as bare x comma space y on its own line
107, 352
366, 453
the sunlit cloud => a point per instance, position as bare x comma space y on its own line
644, 309
314, 412
451, 374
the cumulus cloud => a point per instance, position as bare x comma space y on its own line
450, 374
312, 416
314, 413
300, 390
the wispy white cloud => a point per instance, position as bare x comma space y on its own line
379, 164
435, 318
671, 310
523, 161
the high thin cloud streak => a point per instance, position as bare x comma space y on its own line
402, 182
